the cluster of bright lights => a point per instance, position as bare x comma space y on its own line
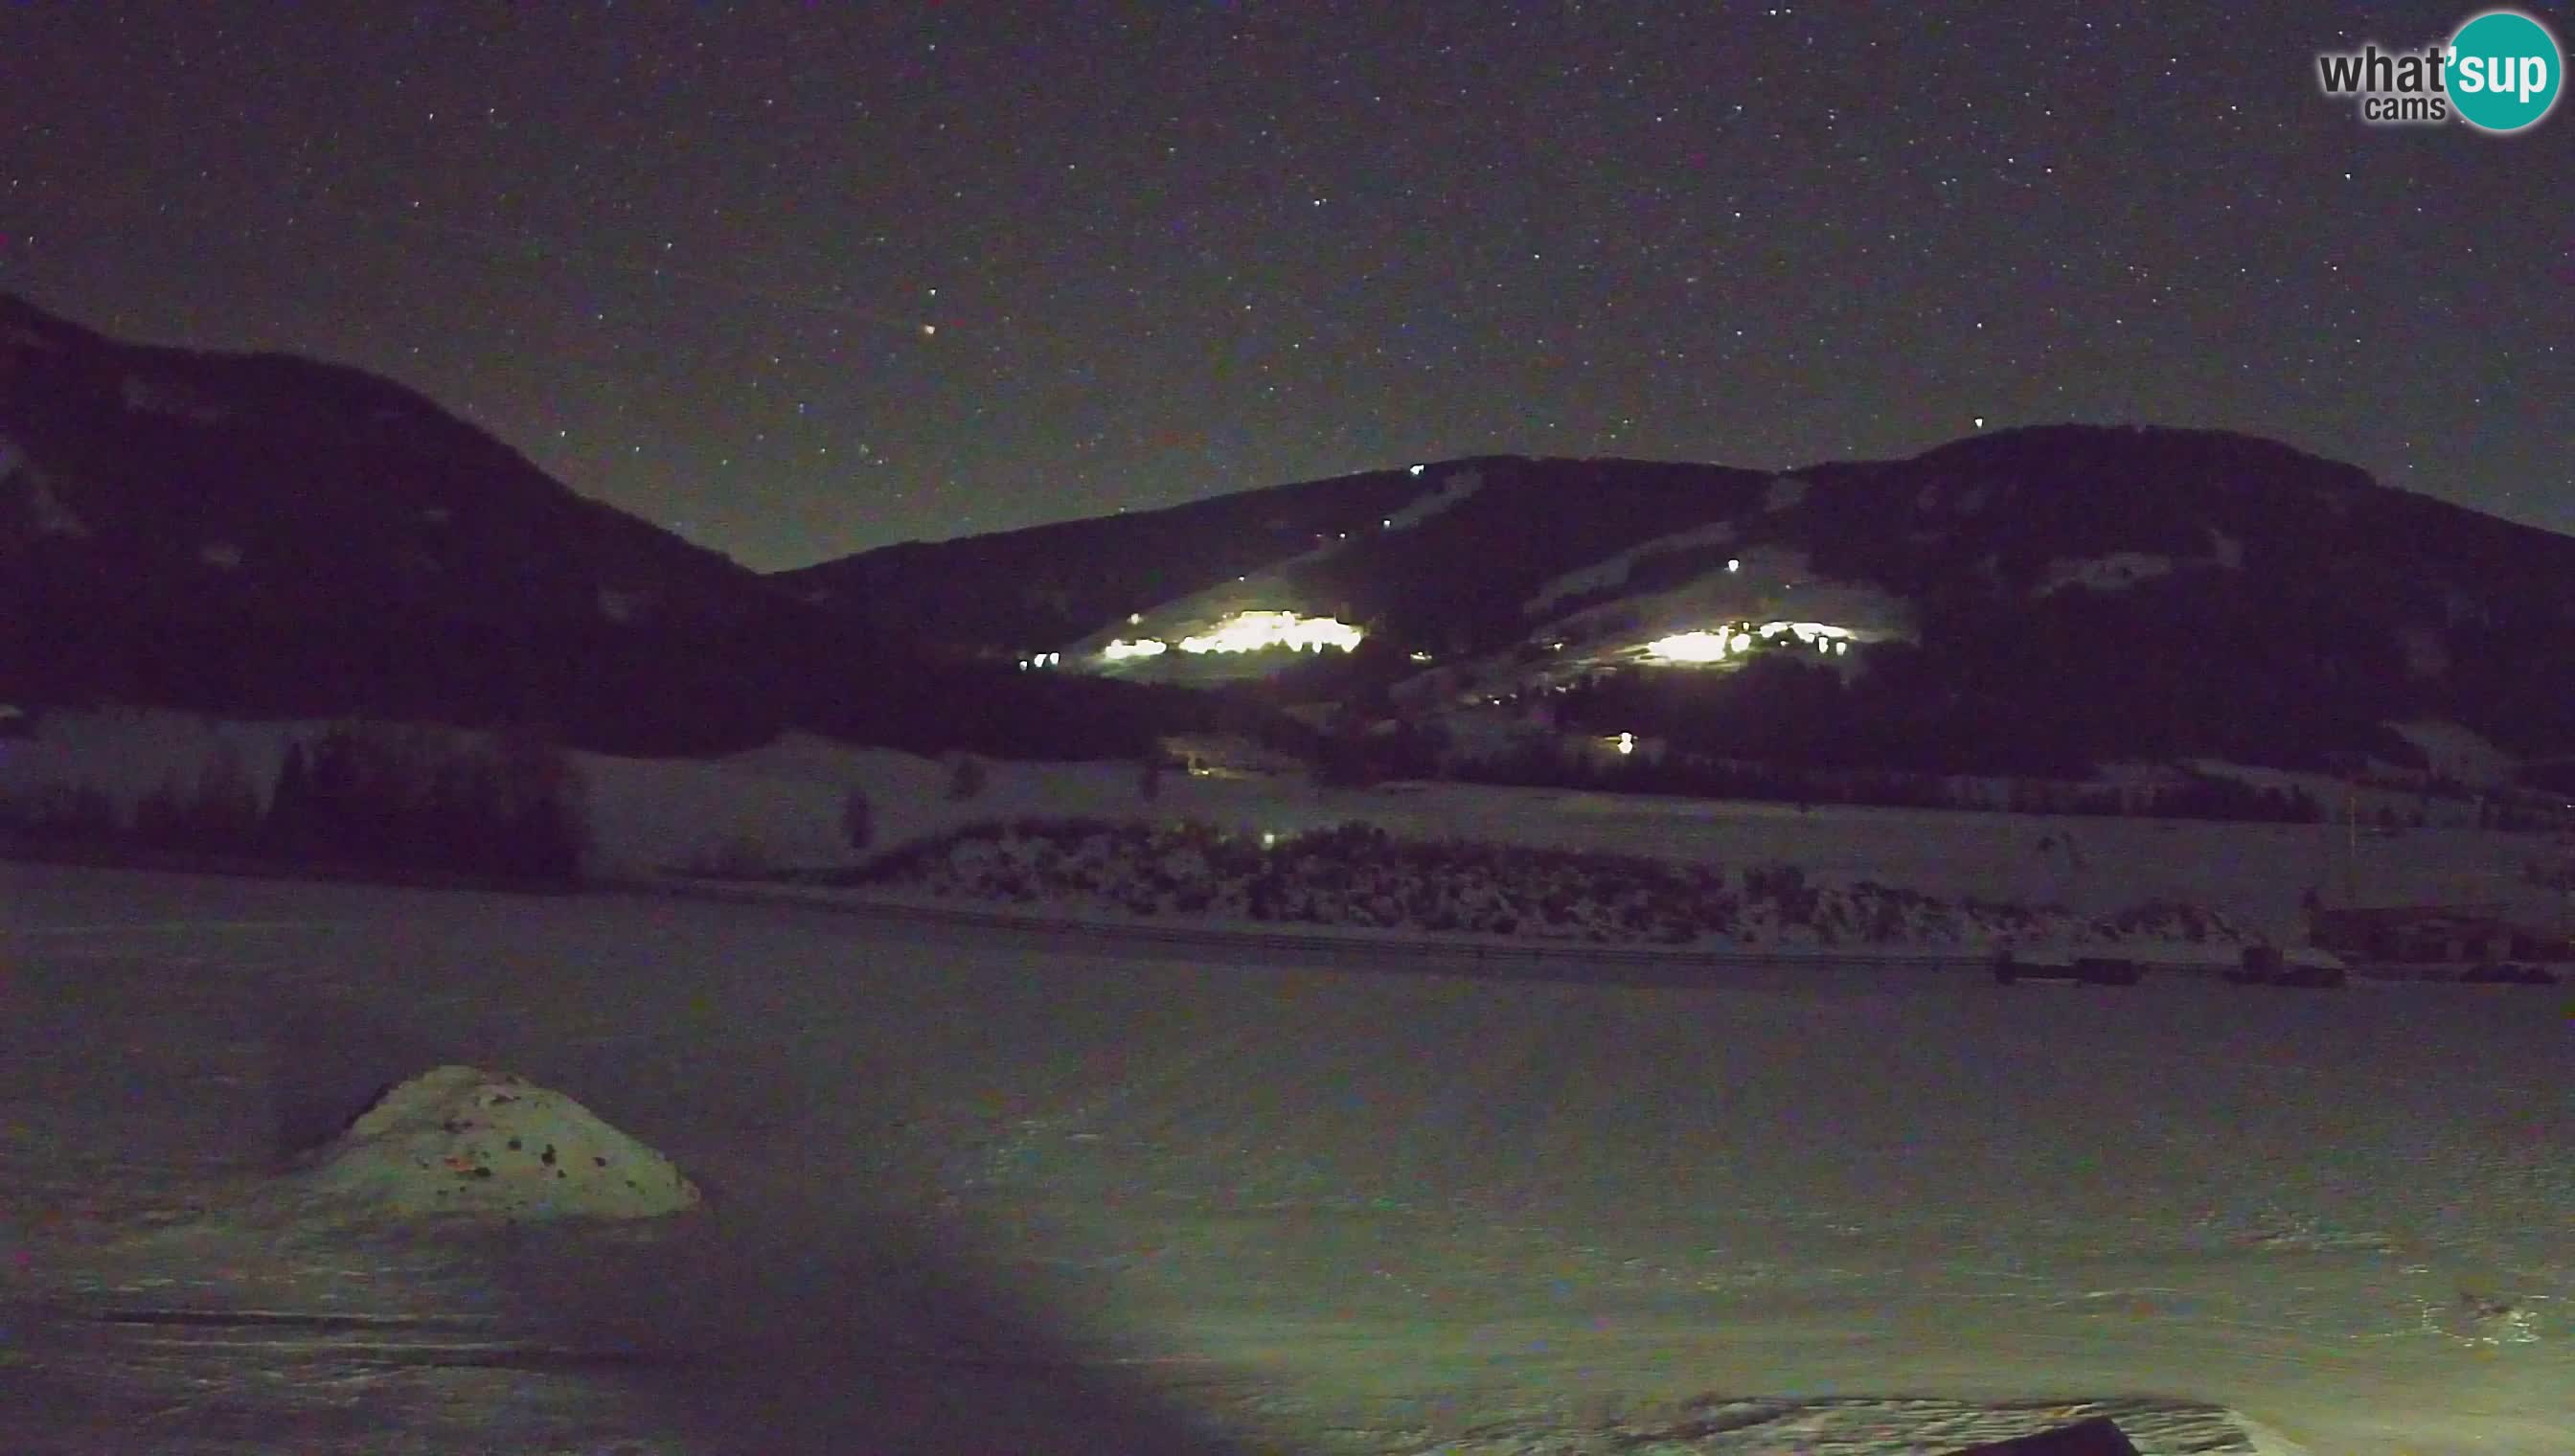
1042, 660
1248, 631
1815, 634
1252, 632
1699, 646
1728, 642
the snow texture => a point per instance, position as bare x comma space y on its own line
2342, 1214
1453, 489
1612, 571
1711, 1425
458, 1140
1357, 876
2459, 753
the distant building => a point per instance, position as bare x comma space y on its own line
1228, 755
1611, 750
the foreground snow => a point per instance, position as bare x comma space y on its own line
1408, 1210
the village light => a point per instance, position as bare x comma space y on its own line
1694, 648
1251, 631
1691, 646
1627, 742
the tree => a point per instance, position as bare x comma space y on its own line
287, 826
459, 816
225, 813
161, 817
857, 820
545, 821
333, 815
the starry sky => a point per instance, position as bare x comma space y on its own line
796, 281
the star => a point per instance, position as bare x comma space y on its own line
1308, 240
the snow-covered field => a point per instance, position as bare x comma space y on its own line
783, 802
970, 1191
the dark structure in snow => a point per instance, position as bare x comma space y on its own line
2101, 1437
2416, 934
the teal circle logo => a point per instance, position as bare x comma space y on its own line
2504, 71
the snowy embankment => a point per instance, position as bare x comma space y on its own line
780, 806
1360, 876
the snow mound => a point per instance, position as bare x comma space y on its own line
458, 1139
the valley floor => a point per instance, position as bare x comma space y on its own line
970, 1191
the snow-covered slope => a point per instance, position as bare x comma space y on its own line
2106, 593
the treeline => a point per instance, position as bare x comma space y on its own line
937, 707
367, 797
2009, 703
2199, 796
645, 689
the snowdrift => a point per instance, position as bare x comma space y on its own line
461, 1140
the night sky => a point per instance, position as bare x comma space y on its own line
689, 258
